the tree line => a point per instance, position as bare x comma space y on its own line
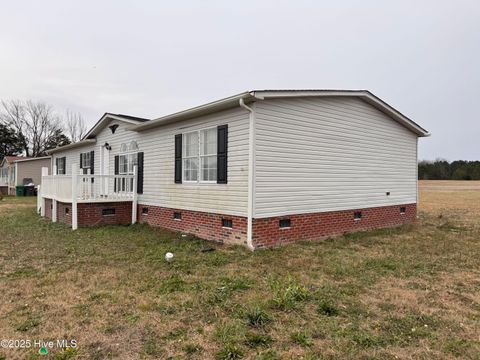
444, 170
31, 128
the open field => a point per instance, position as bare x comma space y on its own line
411, 292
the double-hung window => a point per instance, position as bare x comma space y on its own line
127, 159
200, 156
61, 168
86, 163
86, 160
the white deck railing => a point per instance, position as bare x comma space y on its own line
58, 187
88, 188
105, 188
82, 188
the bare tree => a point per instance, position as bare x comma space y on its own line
36, 121
75, 126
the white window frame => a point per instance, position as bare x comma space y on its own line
64, 167
198, 156
85, 164
131, 157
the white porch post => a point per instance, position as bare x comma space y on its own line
74, 197
135, 196
42, 201
39, 198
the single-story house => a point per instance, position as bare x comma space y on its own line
20, 170
260, 168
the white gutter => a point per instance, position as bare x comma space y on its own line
251, 174
72, 146
218, 105
33, 159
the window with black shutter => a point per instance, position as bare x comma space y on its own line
201, 156
178, 158
115, 171
222, 146
92, 162
140, 173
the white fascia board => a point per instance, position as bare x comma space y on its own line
205, 109
33, 159
72, 146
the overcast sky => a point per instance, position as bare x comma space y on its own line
151, 58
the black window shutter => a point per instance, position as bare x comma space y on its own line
81, 160
140, 173
56, 165
92, 161
222, 147
64, 164
92, 164
115, 169
178, 159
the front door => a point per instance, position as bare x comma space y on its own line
105, 168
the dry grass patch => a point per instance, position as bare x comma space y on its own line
411, 292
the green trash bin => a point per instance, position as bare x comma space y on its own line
20, 190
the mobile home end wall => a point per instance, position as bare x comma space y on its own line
330, 154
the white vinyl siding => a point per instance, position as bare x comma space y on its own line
158, 146
73, 157
327, 154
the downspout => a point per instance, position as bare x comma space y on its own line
251, 175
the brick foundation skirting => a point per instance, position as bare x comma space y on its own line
267, 233
207, 226
64, 213
3, 190
91, 214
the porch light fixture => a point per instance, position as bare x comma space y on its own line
107, 146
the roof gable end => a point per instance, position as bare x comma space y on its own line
258, 95
101, 123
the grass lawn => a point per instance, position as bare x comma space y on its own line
411, 292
